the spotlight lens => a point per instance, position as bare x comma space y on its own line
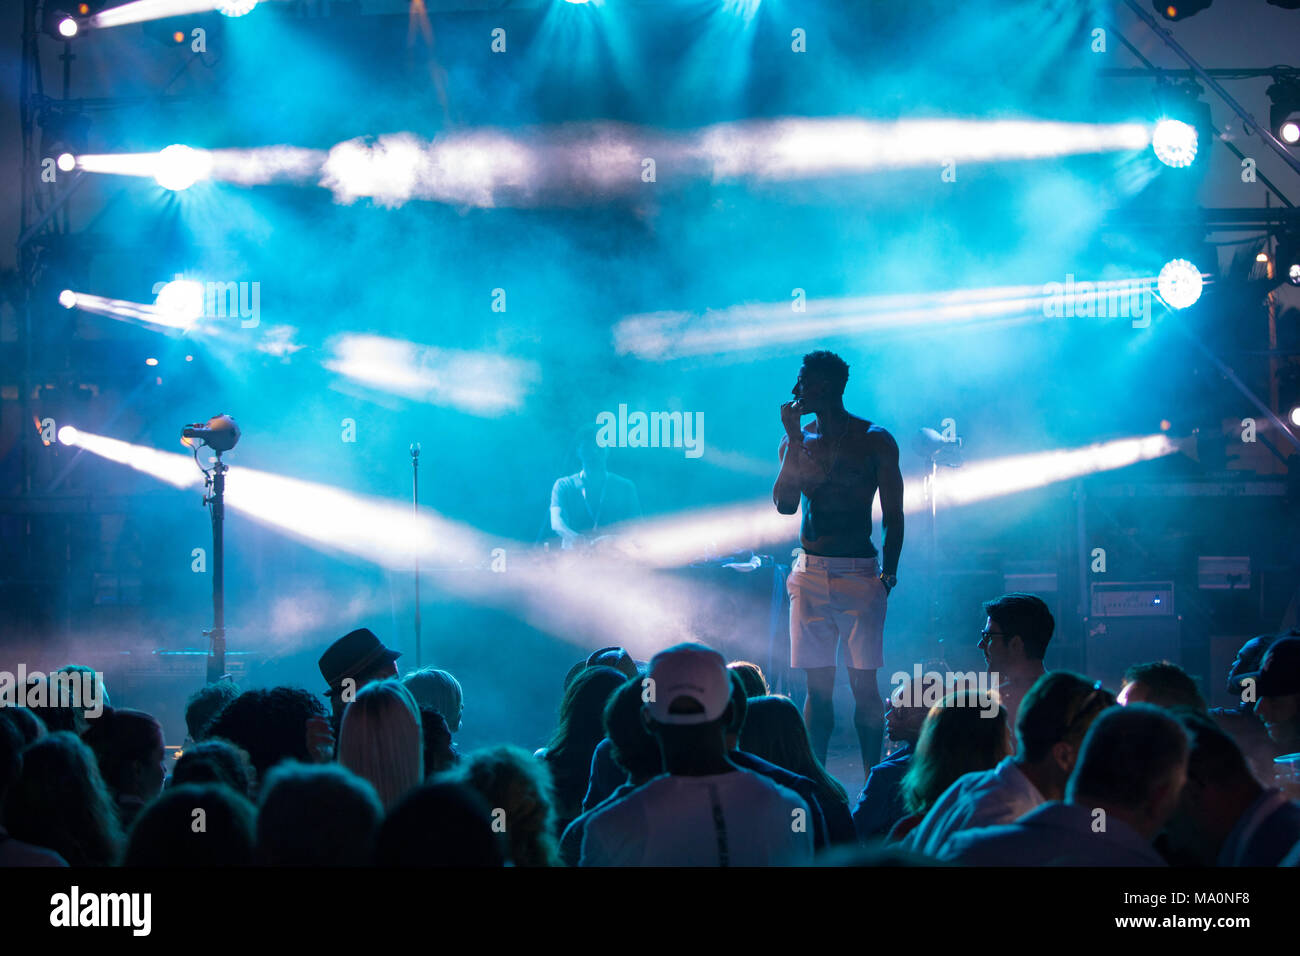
67, 27
1295, 416
67, 435
179, 167
67, 298
1290, 132
1174, 143
182, 300
151, 361
235, 8
1179, 283
66, 162
1293, 273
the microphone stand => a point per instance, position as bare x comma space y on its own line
216, 501
415, 502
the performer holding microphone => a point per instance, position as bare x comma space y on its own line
838, 589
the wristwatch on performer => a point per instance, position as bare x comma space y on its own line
890, 581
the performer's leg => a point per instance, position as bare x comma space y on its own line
868, 716
818, 712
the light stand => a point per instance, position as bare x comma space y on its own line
936, 449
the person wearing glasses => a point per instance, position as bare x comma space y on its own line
1014, 641
1055, 716
838, 588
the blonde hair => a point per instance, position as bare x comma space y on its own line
380, 740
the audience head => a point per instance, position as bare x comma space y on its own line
690, 708
216, 761
1053, 719
204, 705
580, 728
775, 731
905, 712
1133, 763
88, 693
1163, 684
1017, 632
739, 709
60, 802
128, 745
440, 823
380, 740
631, 745
268, 725
24, 720
957, 737
512, 782
751, 678
11, 760
615, 657
165, 834
317, 815
1277, 691
1249, 657
1218, 790
44, 698
352, 662
437, 690
439, 754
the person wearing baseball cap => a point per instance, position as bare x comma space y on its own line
1277, 694
704, 810
359, 657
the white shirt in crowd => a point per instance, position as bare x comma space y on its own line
737, 819
982, 799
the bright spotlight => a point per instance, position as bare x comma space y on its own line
1295, 416
179, 167
67, 435
1174, 143
181, 301
67, 298
68, 27
1179, 283
1293, 273
235, 8
1290, 132
66, 162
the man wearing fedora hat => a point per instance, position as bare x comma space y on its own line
352, 662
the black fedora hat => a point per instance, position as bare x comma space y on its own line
352, 655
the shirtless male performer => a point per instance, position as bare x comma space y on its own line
832, 467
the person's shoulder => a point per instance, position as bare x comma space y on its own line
758, 783
566, 481
879, 437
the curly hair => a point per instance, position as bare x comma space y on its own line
269, 725
512, 781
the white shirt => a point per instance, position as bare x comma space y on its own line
697, 821
1055, 834
982, 799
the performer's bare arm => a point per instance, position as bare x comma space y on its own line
798, 471
891, 505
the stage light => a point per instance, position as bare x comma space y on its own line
67, 435
1179, 283
1295, 416
1174, 143
66, 162
67, 298
1261, 257
151, 362
1180, 9
179, 167
181, 300
68, 27
1284, 103
235, 8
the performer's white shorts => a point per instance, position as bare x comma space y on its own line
834, 599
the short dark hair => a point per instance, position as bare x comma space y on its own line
204, 705
1061, 706
215, 761
163, 834
269, 724
317, 815
1026, 615
1127, 753
751, 675
1214, 756
1170, 685
119, 739
439, 755
829, 367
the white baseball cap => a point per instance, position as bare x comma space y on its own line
689, 670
